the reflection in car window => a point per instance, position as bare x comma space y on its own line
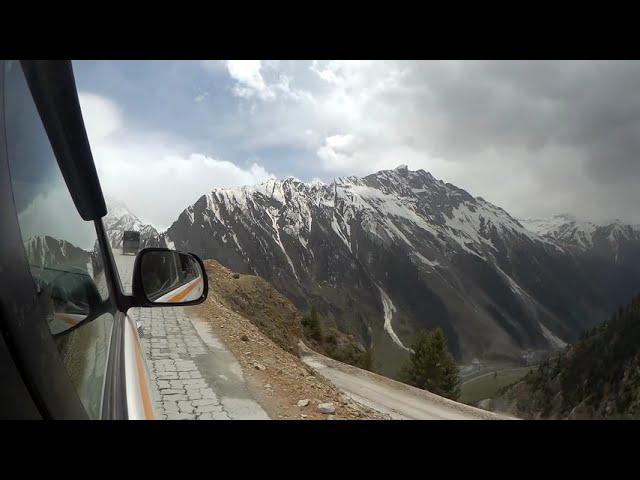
62, 249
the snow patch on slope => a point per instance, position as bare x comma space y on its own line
389, 308
553, 339
274, 215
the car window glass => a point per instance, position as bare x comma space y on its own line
62, 250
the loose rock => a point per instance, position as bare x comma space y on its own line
327, 408
303, 403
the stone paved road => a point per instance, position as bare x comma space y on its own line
193, 375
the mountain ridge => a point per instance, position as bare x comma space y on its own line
385, 255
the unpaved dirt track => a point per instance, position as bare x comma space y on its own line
399, 401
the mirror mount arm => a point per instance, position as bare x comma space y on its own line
123, 301
128, 302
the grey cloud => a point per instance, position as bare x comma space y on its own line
588, 109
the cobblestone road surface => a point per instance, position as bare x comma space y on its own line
193, 375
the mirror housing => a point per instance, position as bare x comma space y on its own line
168, 278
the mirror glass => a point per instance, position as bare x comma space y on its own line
171, 277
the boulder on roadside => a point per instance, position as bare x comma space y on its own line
326, 408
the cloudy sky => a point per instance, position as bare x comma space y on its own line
536, 138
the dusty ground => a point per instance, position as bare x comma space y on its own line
276, 378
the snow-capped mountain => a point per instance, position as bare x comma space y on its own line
563, 228
397, 251
119, 219
611, 240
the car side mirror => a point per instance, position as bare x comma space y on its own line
163, 277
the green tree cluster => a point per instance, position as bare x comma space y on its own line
311, 325
431, 366
334, 343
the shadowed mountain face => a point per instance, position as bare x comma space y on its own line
398, 251
596, 378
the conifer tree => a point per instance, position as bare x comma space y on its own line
431, 366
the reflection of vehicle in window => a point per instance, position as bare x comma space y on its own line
67, 347
130, 242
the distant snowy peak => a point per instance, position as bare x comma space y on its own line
120, 218
118, 212
563, 228
570, 231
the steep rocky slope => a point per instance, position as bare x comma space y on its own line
263, 334
275, 316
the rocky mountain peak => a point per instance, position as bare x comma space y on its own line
120, 218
